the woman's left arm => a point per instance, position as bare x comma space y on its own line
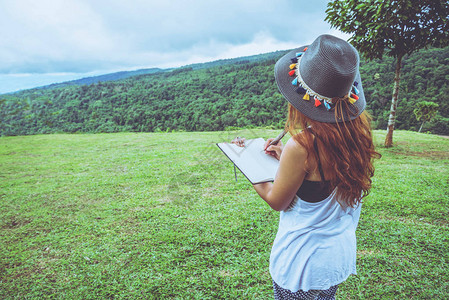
288, 178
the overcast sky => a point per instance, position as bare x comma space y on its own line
48, 41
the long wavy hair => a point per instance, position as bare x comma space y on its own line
346, 151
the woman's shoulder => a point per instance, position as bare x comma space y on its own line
294, 141
294, 148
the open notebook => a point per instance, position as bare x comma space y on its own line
251, 160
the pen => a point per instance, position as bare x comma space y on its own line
277, 139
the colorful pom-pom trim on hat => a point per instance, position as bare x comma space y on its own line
300, 90
303, 88
306, 97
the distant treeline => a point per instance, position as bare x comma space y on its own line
230, 93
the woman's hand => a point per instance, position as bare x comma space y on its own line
239, 141
274, 150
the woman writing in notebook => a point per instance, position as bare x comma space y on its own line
325, 170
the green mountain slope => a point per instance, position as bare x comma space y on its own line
215, 96
105, 77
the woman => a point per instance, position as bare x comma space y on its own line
325, 170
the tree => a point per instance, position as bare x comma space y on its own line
397, 27
425, 111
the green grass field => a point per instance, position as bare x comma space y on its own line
160, 216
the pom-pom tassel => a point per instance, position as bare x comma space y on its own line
352, 100
356, 91
292, 66
294, 60
291, 73
298, 54
295, 81
306, 97
317, 102
328, 107
300, 90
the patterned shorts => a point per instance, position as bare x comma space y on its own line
281, 294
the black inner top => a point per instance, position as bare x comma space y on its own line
315, 191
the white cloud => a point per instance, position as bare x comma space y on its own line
76, 36
37, 34
262, 42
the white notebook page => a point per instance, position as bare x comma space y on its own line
252, 160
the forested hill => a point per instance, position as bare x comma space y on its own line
126, 74
103, 78
216, 96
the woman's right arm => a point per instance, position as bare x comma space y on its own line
289, 177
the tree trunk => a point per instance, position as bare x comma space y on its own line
394, 100
421, 126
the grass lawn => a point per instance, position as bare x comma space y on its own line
160, 216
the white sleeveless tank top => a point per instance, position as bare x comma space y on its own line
315, 246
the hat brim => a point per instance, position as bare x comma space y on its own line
307, 107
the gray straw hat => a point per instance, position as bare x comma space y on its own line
314, 78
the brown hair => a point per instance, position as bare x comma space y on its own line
346, 151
